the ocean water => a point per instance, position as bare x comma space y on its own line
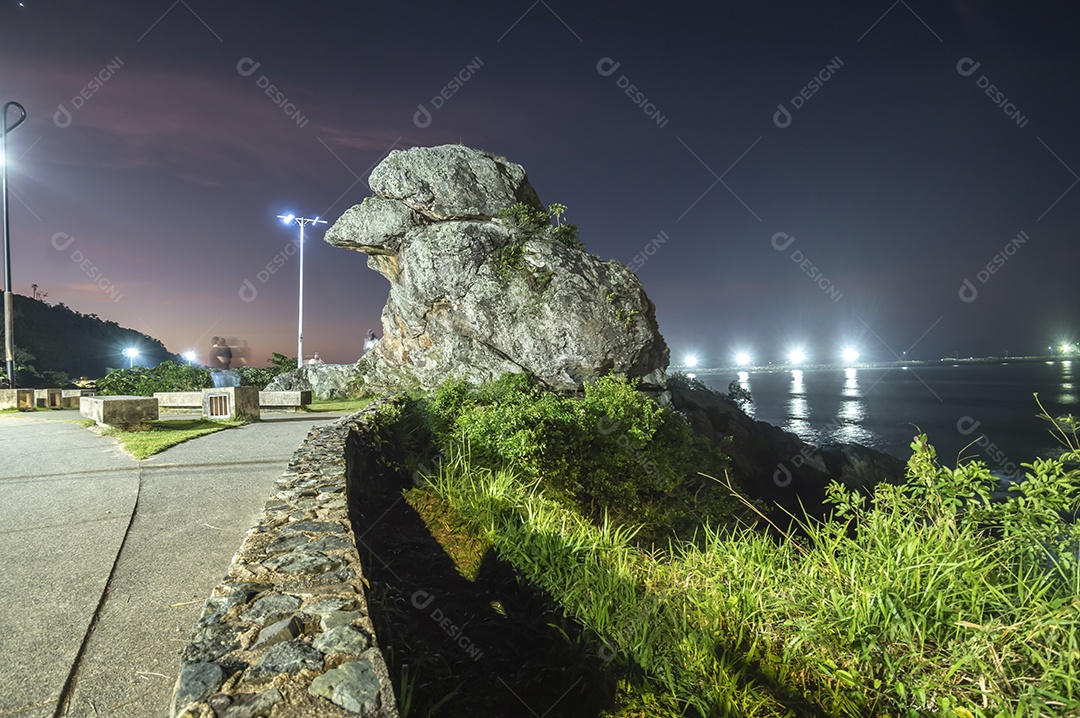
985, 411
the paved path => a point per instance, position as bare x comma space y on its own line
107, 559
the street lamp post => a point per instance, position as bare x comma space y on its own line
131, 353
289, 219
9, 339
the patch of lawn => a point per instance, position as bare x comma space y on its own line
155, 436
338, 405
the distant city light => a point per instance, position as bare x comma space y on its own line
797, 356
850, 354
1066, 348
742, 358
690, 360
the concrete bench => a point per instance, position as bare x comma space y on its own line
179, 400
21, 399
119, 411
70, 397
284, 400
48, 399
192, 401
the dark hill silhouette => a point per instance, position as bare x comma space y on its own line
60, 339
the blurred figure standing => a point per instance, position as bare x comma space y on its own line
220, 354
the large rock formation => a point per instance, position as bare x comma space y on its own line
324, 381
473, 296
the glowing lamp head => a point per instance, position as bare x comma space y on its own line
131, 352
690, 360
189, 355
287, 218
851, 354
797, 356
742, 358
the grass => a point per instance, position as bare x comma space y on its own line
338, 405
155, 436
895, 608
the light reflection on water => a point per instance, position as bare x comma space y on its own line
744, 382
884, 407
1068, 389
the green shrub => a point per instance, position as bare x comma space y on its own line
614, 452
144, 381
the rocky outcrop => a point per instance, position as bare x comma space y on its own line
324, 381
776, 466
473, 296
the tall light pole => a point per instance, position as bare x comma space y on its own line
289, 219
9, 339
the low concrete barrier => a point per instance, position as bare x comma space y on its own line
230, 403
284, 400
179, 400
119, 410
69, 398
48, 399
183, 401
21, 399
287, 631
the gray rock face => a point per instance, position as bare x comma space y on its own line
472, 297
271, 608
353, 686
195, 682
288, 657
324, 381
343, 639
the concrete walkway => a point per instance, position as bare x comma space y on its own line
107, 559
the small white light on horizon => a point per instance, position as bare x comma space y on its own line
797, 356
850, 354
742, 358
690, 360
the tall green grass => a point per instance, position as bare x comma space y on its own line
925, 599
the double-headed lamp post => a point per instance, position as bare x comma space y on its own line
289, 219
9, 339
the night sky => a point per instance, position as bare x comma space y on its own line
776, 173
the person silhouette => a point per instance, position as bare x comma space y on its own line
220, 354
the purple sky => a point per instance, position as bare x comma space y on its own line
146, 180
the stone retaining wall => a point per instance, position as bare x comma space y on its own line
287, 632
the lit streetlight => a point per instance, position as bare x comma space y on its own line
131, 353
851, 355
289, 219
797, 356
9, 338
742, 358
189, 356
